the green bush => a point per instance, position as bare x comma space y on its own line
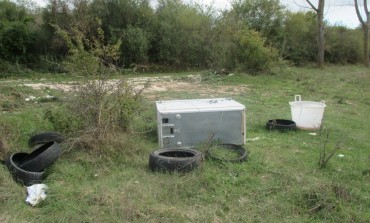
246, 51
342, 45
135, 46
300, 34
251, 54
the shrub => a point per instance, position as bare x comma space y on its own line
251, 54
247, 52
342, 45
98, 107
135, 46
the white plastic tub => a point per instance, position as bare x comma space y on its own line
307, 115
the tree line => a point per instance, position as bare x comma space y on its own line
251, 36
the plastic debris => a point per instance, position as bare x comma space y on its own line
30, 98
312, 133
254, 139
340, 155
36, 193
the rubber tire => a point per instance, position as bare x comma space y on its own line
243, 154
281, 125
20, 175
45, 137
170, 160
41, 157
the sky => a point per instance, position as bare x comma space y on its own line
337, 12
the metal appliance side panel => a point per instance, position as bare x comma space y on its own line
159, 129
190, 129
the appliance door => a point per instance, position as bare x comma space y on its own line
190, 129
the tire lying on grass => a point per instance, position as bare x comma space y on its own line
227, 153
20, 175
169, 160
41, 157
281, 124
45, 137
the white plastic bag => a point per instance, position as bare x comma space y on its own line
36, 193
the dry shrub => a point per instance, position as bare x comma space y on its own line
98, 107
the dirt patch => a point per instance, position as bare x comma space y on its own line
192, 83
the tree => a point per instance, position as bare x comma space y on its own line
300, 30
16, 36
320, 28
264, 16
343, 45
181, 35
365, 25
237, 47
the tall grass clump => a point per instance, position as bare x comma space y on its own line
98, 108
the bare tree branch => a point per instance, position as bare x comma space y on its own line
302, 6
312, 6
359, 14
366, 9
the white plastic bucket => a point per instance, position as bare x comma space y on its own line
307, 114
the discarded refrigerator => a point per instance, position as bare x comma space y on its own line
187, 123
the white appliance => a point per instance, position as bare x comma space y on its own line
186, 123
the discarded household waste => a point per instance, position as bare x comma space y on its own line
36, 194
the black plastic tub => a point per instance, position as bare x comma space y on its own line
281, 125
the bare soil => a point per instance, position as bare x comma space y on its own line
193, 83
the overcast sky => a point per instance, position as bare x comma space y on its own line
340, 12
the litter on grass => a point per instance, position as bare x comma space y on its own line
312, 133
340, 155
254, 139
36, 194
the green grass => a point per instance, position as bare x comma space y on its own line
280, 182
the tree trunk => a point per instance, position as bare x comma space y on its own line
366, 46
365, 27
320, 28
321, 40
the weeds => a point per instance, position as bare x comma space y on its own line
99, 107
324, 156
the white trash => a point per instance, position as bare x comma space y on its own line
307, 114
36, 193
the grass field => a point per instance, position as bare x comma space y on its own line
280, 182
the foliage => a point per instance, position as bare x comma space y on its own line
117, 16
245, 50
56, 13
264, 16
173, 35
135, 46
16, 36
100, 106
181, 35
343, 45
300, 31
251, 53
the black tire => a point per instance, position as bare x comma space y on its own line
41, 157
20, 175
45, 137
169, 160
281, 125
242, 154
